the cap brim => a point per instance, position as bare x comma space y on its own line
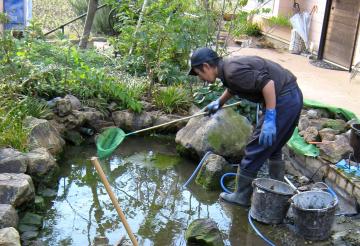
192, 72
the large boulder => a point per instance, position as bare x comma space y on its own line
16, 189
328, 134
162, 118
130, 121
204, 232
311, 134
42, 165
225, 133
42, 134
12, 161
74, 137
96, 120
336, 150
9, 237
338, 125
73, 120
8, 216
211, 171
63, 107
74, 101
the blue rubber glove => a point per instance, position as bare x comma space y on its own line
268, 130
213, 107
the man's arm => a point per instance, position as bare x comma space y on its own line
269, 95
225, 97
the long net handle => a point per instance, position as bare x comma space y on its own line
178, 120
115, 202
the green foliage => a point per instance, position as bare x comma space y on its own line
53, 13
33, 71
101, 20
279, 21
172, 99
252, 29
242, 26
206, 94
160, 47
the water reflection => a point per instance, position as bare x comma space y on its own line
149, 190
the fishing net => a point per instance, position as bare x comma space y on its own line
108, 141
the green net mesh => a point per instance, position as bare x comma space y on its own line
108, 141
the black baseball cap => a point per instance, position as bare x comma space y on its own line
201, 56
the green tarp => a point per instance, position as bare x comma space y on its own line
298, 144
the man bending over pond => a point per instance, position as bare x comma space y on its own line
261, 81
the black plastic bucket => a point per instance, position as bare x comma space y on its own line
314, 214
270, 200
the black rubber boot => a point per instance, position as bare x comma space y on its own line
277, 170
243, 191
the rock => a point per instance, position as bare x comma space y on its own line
39, 203
165, 118
338, 125
336, 150
112, 106
12, 161
100, 125
8, 216
9, 237
194, 109
16, 189
211, 171
58, 126
29, 235
74, 101
311, 134
24, 228
312, 114
304, 123
225, 133
52, 103
101, 241
42, 165
318, 123
204, 232
47, 192
147, 106
303, 180
92, 114
328, 134
73, 120
73, 137
63, 107
42, 134
130, 121
32, 219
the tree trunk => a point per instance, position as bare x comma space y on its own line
92, 6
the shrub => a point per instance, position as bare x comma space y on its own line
172, 99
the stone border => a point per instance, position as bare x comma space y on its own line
348, 188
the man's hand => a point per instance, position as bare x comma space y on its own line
268, 130
213, 107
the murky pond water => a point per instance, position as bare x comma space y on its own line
146, 176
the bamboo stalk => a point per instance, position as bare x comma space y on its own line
115, 202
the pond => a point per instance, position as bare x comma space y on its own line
146, 176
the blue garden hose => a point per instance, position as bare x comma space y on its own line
268, 241
222, 181
196, 169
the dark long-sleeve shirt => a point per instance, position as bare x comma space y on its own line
246, 76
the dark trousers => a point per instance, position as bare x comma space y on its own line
288, 108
